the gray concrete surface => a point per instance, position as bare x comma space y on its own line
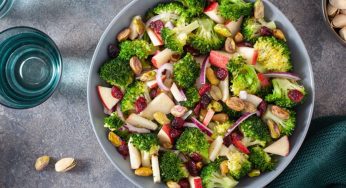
60, 127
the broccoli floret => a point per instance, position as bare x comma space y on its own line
235, 64
134, 91
251, 28
186, 71
139, 48
193, 140
255, 132
145, 142
238, 164
260, 159
273, 54
212, 178
192, 98
184, 19
171, 167
175, 39
117, 72
169, 8
286, 93
194, 7
113, 122
221, 128
286, 125
206, 39
234, 9
245, 80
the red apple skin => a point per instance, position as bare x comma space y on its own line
211, 7
102, 101
195, 182
167, 129
263, 80
219, 59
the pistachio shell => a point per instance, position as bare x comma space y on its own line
340, 4
339, 21
65, 164
42, 162
331, 10
343, 11
342, 33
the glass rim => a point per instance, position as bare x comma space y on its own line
59, 76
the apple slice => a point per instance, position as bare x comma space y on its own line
234, 26
135, 155
162, 57
212, 12
219, 58
215, 148
164, 136
153, 83
250, 54
264, 81
161, 103
141, 122
208, 117
195, 182
156, 168
145, 157
107, 99
224, 150
178, 96
279, 147
157, 41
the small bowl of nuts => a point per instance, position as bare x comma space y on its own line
334, 12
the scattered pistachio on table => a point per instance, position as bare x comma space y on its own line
42, 162
65, 164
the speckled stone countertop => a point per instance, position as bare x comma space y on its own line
60, 127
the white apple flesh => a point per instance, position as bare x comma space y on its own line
215, 148
280, 147
106, 97
162, 103
250, 54
163, 135
145, 158
135, 156
156, 169
141, 122
234, 26
154, 38
162, 57
212, 12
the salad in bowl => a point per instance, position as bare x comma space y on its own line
201, 93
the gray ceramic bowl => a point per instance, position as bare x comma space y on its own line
302, 67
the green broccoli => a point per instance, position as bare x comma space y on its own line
238, 164
206, 39
145, 142
251, 28
273, 54
113, 122
171, 167
234, 9
255, 132
286, 93
230, 112
169, 8
286, 125
245, 79
132, 93
221, 128
260, 159
212, 178
235, 64
184, 19
117, 72
139, 48
192, 98
175, 39
193, 140
186, 71
194, 7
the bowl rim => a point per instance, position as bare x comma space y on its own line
329, 24
284, 163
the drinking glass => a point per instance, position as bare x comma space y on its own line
5, 6
30, 67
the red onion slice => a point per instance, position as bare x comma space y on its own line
168, 67
238, 122
177, 94
120, 113
202, 127
208, 117
134, 129
286, 75
205, 63
243, 95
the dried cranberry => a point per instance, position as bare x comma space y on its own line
178, 123
197, 109
117, 93
295, 95
245, 44
221, 73
184, 183
175, 133
196, 157
192, 168
262, 107
265, 31
191, 50
205, 100
113, 51
204, 89
123, 150
140, 104
157, 26
227, 140
153, 92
